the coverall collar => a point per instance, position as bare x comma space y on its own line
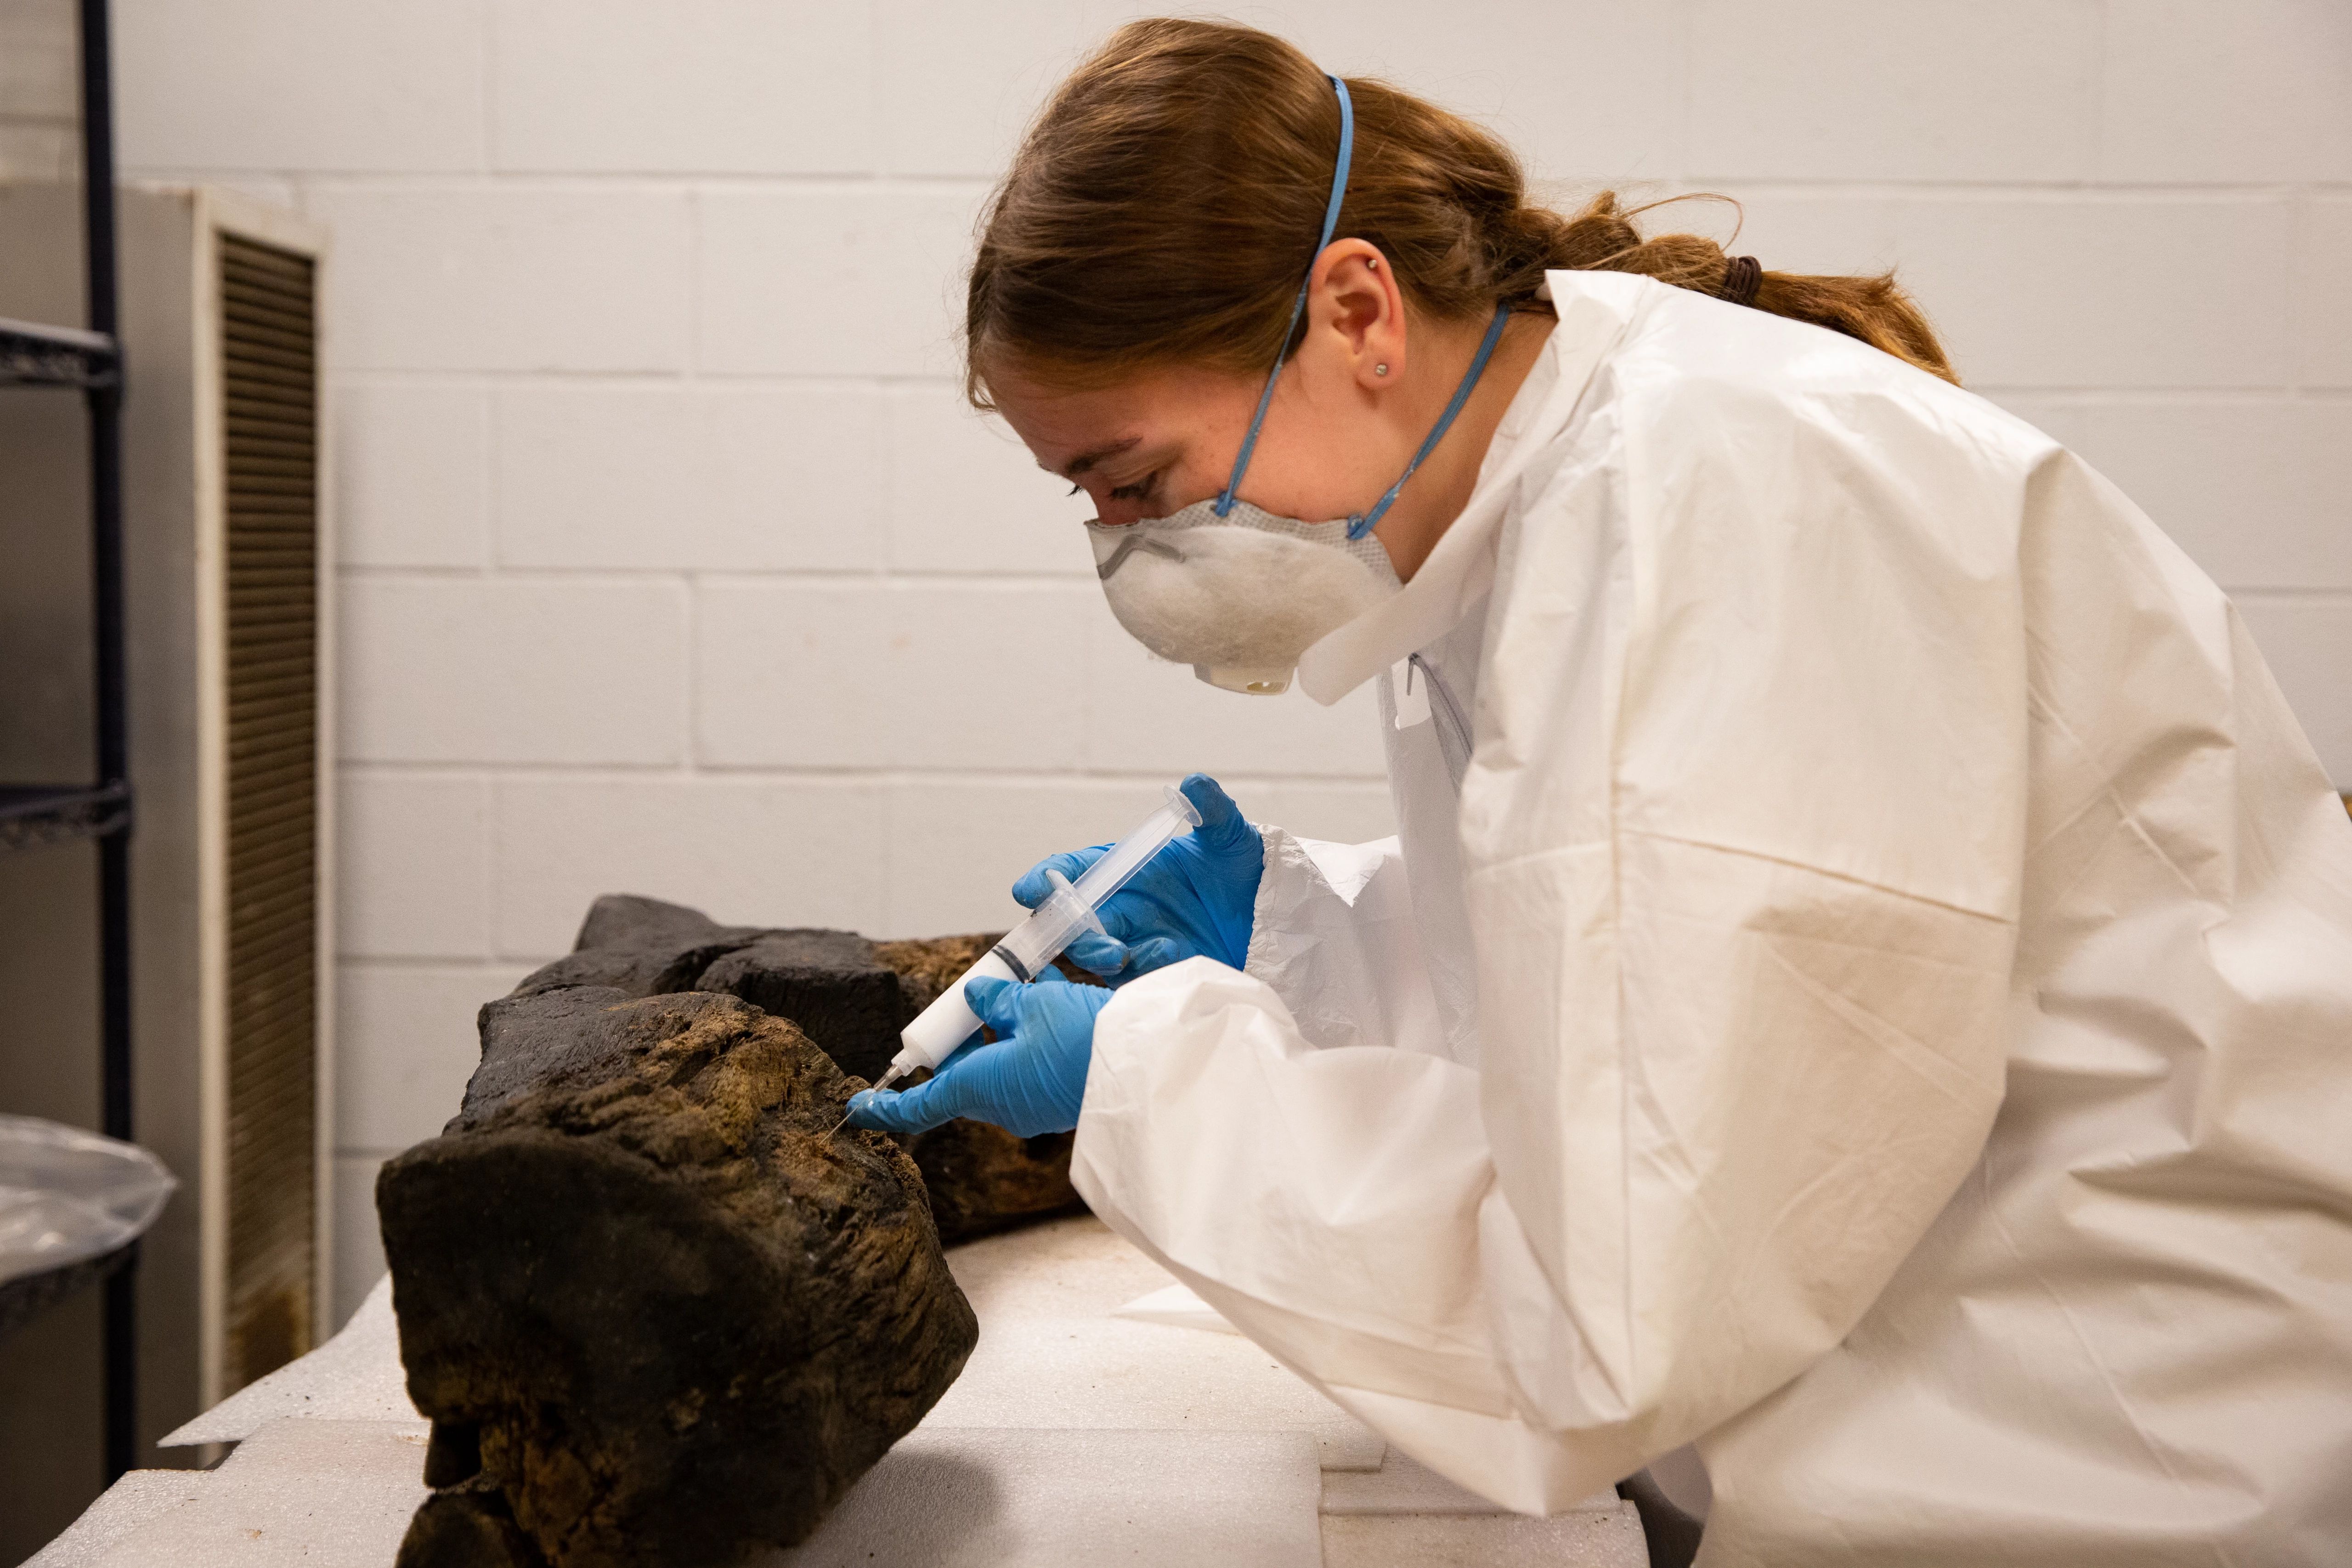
1594, 309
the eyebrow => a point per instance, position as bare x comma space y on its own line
1086, 460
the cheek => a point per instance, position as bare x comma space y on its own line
1200, 476
1302, 473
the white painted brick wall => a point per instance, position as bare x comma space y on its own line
720, 87
840, 281
414, 863
804, 850
1994, 90
39, 102
665, 475
501, 277
672, 562
529, 670
2323, 305
411, 471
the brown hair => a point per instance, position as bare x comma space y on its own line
1164, 208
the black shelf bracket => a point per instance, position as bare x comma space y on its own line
33, 815
90, 359
102, 300
34, 354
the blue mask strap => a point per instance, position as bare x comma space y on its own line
1225, 503
1362, 523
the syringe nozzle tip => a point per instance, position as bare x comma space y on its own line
889, 1077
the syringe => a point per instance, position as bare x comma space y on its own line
1036, 942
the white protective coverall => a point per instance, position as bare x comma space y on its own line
1873, 996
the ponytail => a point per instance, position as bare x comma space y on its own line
1602, 237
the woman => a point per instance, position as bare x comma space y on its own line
1873, 987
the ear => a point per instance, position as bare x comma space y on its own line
1355, 315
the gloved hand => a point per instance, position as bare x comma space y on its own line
1197, 897
1027, 1080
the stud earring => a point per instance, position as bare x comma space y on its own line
1379, 370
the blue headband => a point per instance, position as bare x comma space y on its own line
1362, 523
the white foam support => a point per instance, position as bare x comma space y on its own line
1076, 1435
1405, 1515
1402, 1485
338, 1494
136, 1497
1578, 1540
355, 1376
1051, 1354
1425, 1518
1178, 1308
982, 1498
306, 1492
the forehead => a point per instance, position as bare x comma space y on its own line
1065, 428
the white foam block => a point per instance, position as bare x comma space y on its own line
1579, 1540
1405, 1485
137, 1498
316, 1493
1053, 1355
983, 1498
1178, 1308
355, 1376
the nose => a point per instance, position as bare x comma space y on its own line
1120, 513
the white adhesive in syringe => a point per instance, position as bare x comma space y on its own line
1036, 943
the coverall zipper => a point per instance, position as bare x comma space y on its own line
1453, 728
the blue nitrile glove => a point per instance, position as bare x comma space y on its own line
1027, 1080
1195, 897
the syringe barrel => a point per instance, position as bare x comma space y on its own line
1025, 953
948, 1021
1036, 942
1123, 859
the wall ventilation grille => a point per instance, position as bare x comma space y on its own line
269, 340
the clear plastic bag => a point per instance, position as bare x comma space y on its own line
67, 1195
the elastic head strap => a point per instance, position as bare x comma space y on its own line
1362, 523
1225, 503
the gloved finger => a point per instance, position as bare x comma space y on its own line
1050, 975
957, 1087
882, 1110
1131, 913
1096, 953
997, 1003
1031, 887
1222, 827
971, 1043
1154, 952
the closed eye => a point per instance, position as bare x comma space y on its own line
1141, 490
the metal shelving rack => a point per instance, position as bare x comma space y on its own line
90, 360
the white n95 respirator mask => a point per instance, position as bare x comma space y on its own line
1237, 598
1237, 591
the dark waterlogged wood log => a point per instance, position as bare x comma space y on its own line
658, 1312
850, 997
